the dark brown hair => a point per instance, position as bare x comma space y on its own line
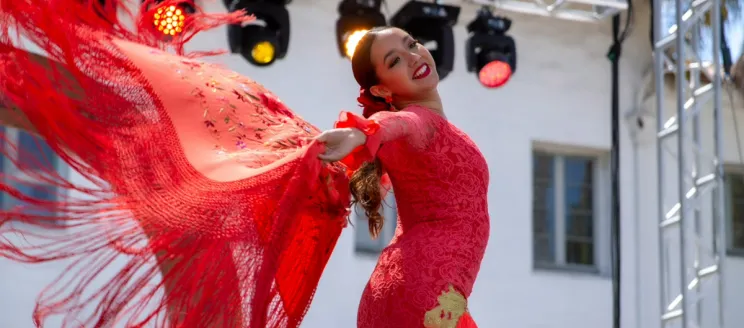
365, 182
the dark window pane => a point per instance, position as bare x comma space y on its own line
543, 208
544, 248
579, 171
543, 221
579, 198
736, 186
578, 252
34, 153
735, 209
580, 225
542, 166
737, 224
543, 195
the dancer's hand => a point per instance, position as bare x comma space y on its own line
340, 142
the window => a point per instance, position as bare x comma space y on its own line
363, 242
734, 199
32, 153
565, 211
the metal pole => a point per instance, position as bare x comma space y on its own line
614, 55
659, 69
681, 155
719, 217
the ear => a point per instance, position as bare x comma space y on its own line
380, 91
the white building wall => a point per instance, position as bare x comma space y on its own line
560, 95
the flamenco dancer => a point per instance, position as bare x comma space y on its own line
222, 204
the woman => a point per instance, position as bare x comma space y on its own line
440, 180
226, 184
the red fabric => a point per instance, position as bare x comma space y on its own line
196, 165
440, 182
366, 152
466, 321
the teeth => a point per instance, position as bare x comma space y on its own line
420, 71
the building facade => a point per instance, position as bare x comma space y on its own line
546, 137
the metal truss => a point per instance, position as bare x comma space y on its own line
575, 10
689, 167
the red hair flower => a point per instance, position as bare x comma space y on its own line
370, 103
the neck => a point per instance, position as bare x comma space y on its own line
431, 101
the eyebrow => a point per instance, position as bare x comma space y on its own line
389, 53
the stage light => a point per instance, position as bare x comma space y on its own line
169, 16
489, 51
356, 17
264, 40
169, 20
431, 24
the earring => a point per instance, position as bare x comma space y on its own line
389, 101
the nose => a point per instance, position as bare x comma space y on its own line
413, 58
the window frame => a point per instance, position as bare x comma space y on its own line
12, 136
728, 170
601, 195
363, 242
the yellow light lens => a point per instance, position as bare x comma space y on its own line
352, 39
169, 20
263, 52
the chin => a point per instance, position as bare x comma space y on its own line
430, 83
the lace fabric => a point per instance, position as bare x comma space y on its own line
194, 174
440, 180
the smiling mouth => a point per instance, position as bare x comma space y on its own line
422, 72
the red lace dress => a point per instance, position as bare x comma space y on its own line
440, 181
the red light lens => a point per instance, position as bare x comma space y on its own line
494, 74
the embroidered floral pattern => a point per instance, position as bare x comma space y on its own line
244, 115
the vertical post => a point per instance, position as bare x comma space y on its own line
659, 71
681, 155
720, 51
614, 56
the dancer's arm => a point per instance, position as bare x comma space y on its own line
414, 124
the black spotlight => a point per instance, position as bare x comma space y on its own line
489, 51
356, 17
431, 24
264, 40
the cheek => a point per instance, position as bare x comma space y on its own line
398, 81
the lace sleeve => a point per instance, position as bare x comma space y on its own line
412, 123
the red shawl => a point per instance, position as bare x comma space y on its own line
191, 170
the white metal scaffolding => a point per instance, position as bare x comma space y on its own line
575, 10
689, 149
689, 167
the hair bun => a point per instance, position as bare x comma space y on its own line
370, 103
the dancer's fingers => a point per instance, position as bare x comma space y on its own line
328, 156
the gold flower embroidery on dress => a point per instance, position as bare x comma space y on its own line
452, 305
